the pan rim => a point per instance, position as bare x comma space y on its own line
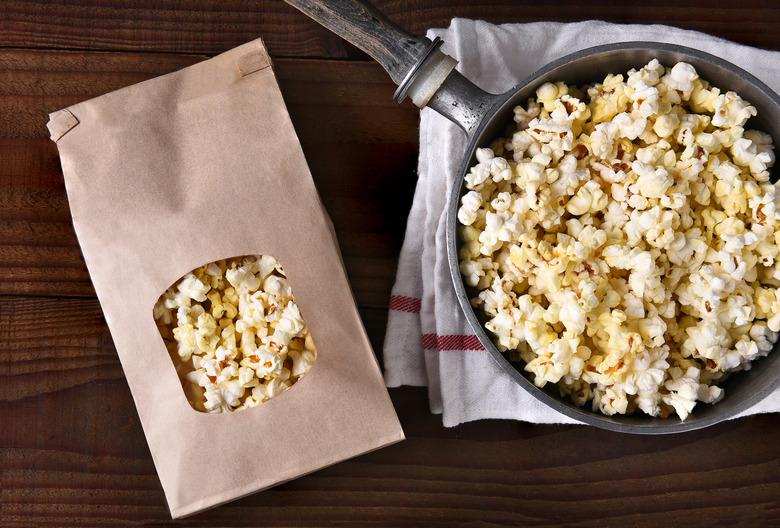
653, 427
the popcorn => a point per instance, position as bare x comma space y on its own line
731, 111
499, 228
608, 99
630, 126
571, 314
756, 155
523, 116
602, 140
242, 278
651, 182
683, 390
703, 97
548, 93
589, 198
289, 325
243, 342
470, 204
627, 251
765, 154
649, 75
666, 124
193, 288
681, 78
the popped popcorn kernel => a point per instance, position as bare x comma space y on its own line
625, 245
235, 333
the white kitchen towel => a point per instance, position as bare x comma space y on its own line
428, 341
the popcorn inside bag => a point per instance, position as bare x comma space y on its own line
234, 333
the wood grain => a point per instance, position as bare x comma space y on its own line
73, 453
211, 26
363, 167
53, 344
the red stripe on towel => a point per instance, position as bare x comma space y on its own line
451, 342
402, 303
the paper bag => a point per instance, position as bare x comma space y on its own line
189, 168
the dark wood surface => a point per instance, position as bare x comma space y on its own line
71, 449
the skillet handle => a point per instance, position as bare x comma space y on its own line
362, 25
463, 102
414, 63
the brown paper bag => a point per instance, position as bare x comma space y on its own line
192, 167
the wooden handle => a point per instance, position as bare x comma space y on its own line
362, 25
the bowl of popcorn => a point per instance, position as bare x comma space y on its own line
616, 247
613, 238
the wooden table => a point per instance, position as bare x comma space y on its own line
71, 448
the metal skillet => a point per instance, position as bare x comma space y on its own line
425, 74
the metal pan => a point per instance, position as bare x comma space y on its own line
428, 77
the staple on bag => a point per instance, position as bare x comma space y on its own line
253, 62
60, 123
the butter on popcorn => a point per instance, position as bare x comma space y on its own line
235, 333
623, 243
